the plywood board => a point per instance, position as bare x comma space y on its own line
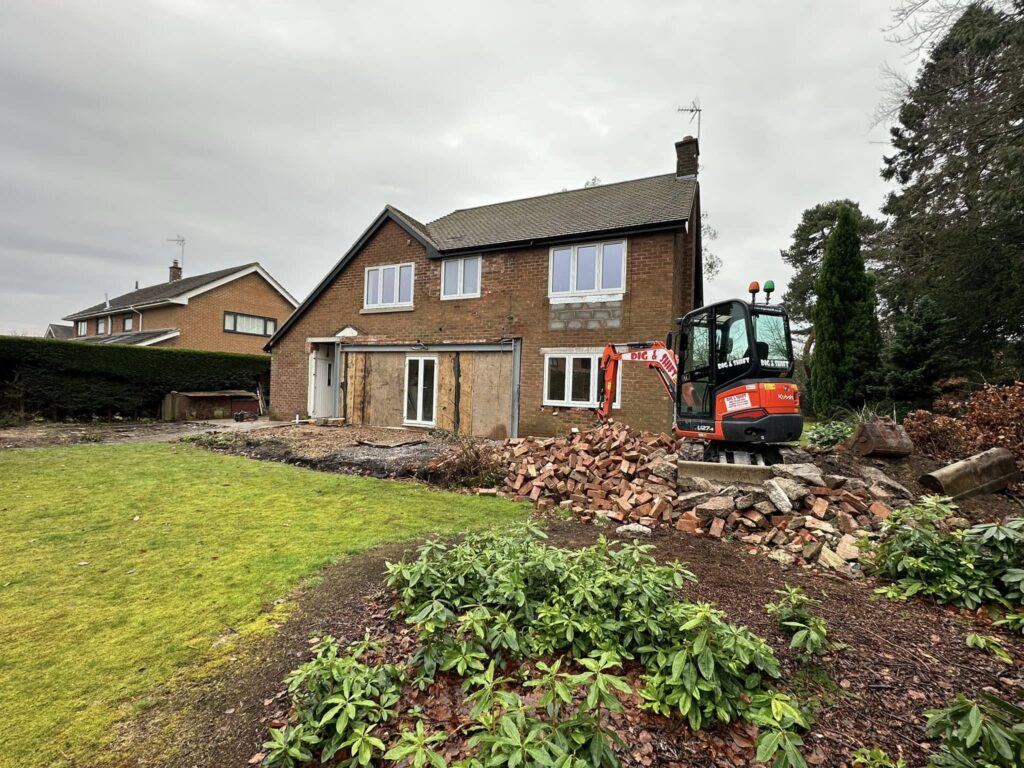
491, 394
444, 415
384, 389
466, 393
355, 363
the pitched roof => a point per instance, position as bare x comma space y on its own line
164, 292
655, 200
59, 331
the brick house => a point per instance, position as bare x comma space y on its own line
490, 321
230, 310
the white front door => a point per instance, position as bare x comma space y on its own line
324, 383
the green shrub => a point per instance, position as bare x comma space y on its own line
807, 633
338, 701
990, 645
985, 734
875, 758
829, 433
494, 598
60, 379
967, 568
569, 622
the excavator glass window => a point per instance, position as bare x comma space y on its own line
772, 335
694, 387
733, 350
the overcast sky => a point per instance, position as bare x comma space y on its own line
276, 131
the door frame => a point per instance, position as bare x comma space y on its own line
333, 359
419, 359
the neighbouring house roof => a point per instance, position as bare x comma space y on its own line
650, 203
134, 338
179, 291
59, 331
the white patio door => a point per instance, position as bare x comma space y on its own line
420, 390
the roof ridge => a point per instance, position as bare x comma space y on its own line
553, 194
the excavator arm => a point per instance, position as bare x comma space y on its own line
654, 354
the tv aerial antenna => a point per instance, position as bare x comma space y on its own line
694, 110
181, 243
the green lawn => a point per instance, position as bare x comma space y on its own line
121, 566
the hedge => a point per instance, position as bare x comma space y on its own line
61, 379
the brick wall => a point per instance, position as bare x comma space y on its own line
513, 303
201, 322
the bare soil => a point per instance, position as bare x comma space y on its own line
901, 659
393, 453
46, 434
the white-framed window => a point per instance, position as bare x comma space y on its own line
251, 325
83, 327
127, 322
101, 326
460, 278
572, 379
389, 285
420, 390
588, 270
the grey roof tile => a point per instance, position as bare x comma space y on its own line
156, 293
623, 205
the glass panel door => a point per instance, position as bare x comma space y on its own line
420, 386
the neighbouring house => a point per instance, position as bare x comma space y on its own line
490, 321
59, 331
230, 310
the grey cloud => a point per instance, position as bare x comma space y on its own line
276, 131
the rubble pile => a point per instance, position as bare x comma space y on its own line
614, 474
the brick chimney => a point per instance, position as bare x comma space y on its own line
687, 153
175, 271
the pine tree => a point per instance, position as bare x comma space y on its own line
919, 353
845, 361
956, 231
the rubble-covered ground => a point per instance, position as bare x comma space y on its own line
376, 451
812, 511
50, 433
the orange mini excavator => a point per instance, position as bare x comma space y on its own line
734, 385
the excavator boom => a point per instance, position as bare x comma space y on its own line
654, 354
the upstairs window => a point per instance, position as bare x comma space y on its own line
82, 327
101, 326
460, 278
251, 325
573, 379
388, 286
591, 271
128, 322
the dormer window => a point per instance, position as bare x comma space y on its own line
587, 272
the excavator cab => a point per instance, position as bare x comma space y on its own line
735, 383
728, 368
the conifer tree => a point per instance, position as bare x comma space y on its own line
845, 361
